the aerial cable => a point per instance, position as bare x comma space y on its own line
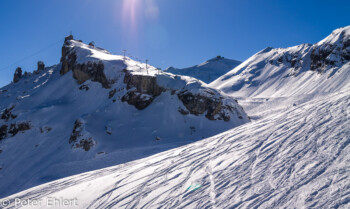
32, 55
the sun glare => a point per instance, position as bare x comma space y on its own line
136, 11
131, 13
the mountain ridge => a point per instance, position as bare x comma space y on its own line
284, 71
207, 71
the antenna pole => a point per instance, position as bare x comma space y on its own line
124, 51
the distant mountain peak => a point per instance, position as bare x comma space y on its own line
207, 71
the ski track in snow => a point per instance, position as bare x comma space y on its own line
292, 159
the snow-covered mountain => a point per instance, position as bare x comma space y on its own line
294, 153
94, 110
305, 69
207, 71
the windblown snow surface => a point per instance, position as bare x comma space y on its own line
297, 158
207, 71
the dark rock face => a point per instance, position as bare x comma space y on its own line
3, 132
90, 71
7, 114
18, 127
41, 67
93, 71
18, 74
78, 140
112, 93
198, 105
14, 129
68, 60
85, 144
325, 56
142, 90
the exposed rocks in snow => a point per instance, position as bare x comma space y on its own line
18, 74
7, 114
14, 129
3, 131
80, 138
142, 90
92, 44
86, 143
68, 58
17, 127
331, 53
90, 71
45, 129
199, 104
183, 111
84, 87
112, 93
82, 72
41, 67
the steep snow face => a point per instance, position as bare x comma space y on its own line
207, 71
297, 158
53, 125
305, 69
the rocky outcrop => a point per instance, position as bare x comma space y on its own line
41, 67
331, 54
142, 89
45, 129
7, 114
213, 108
69, 58
14, 129
90, 71
82, 72
79, 138
3, 132
112, 93
18, 74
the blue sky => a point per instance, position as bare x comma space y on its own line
176, 33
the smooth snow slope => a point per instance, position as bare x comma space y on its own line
207, 71
120, 133
297, 158
305, 69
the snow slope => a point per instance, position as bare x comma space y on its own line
305, 69
76, 128
297, 158
207, 71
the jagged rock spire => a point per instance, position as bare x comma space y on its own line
18, 74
